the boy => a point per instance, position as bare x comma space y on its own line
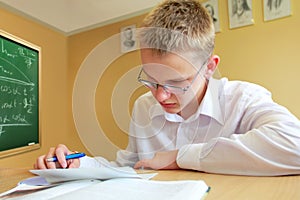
190, 120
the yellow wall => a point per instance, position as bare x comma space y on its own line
80, 46
56, 123
265, 53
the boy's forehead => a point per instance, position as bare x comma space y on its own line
170, 59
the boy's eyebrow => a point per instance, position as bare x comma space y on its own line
175, 80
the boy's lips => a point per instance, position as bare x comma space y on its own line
168, 105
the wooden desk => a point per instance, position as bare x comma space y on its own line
241, 187
9, 178
222, 186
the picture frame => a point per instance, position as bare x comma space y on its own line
275, 9
128, 38
240, 13
212, 7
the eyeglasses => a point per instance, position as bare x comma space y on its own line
168, 88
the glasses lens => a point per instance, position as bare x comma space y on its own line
173, 89
154, 86
148, 84
167, 88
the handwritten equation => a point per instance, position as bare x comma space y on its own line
28, 56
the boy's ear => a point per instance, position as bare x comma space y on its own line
211, 66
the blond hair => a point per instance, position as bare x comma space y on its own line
178, 26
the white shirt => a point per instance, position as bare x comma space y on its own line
237, 129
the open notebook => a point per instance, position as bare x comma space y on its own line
103, 183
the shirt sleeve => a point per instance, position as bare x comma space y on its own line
267, 143
129, 156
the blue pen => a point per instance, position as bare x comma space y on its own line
68, 157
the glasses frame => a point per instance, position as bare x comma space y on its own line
167, 87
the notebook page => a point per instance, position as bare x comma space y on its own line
137, 189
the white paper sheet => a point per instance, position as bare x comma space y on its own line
124, 188
101, 173
52, 183
55, 192
137, 189
34, 183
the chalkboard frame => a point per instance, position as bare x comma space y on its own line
32, 146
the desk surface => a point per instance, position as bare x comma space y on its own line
222, 186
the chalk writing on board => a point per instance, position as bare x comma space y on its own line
20, 99
10, 69
19, 95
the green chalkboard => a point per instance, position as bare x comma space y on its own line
19, 95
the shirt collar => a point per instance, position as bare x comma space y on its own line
210, 106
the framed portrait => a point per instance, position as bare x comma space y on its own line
274, 9
128, 38
240, 13
213, 9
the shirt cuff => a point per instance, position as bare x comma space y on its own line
188, 156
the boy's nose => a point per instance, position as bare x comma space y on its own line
162, 94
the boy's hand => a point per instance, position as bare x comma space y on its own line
161, 160
60, 152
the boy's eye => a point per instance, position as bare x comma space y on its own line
175, 82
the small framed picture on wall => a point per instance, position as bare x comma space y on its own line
213, 9
128, 38
274, 9
240, 13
